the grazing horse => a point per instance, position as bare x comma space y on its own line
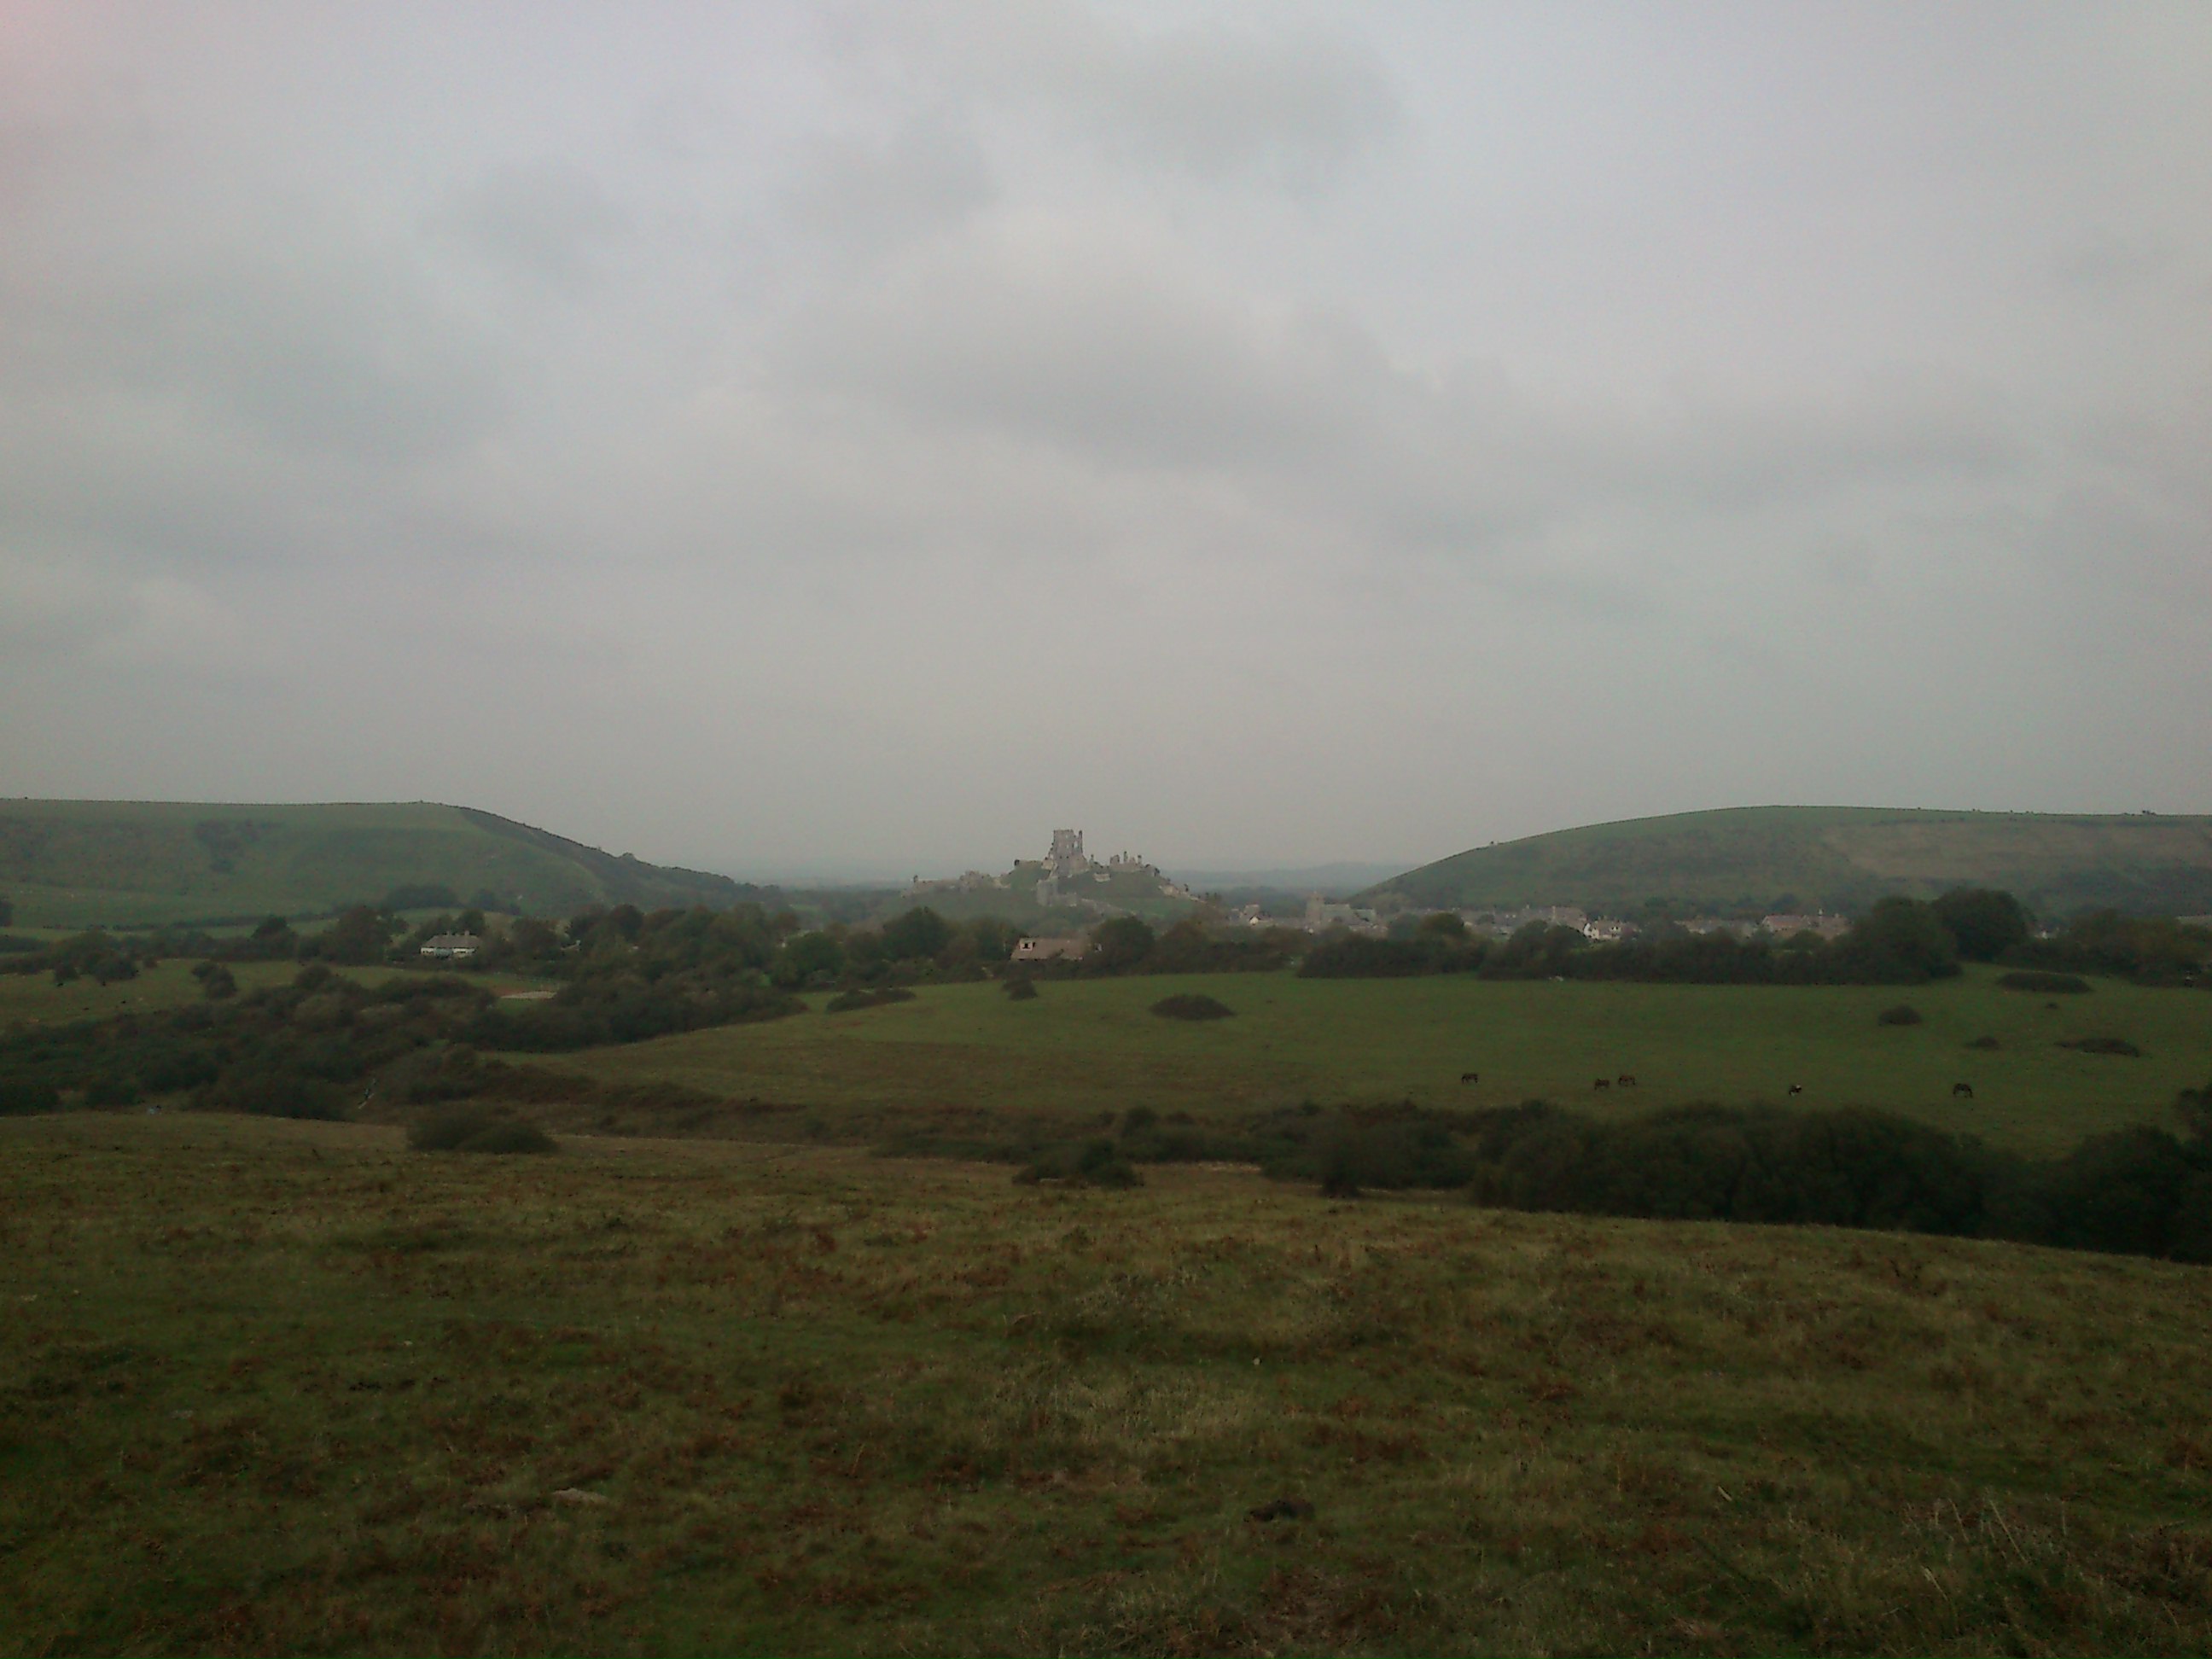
1796, 1088
1470, 1077
1965, 1089
1601, 1083
1625, 1080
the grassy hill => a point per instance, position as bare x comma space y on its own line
1840, 858
71, 863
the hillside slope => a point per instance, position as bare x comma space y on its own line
76, 862
1838, 858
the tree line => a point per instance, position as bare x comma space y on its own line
1898, 941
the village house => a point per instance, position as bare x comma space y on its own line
1049, 949
451, 947
1787, 925
1322, 915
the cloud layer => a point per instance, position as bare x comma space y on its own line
864, 439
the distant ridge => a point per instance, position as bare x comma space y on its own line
78, 862
1833, 857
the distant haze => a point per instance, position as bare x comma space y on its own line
776, 437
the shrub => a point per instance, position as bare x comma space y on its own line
2104, 1045
847, 1001
1983, 1042
472, 1131
28, 1097
1122, 944
2034, 979
1191, 1008
508, 1138
1902, 1014
1350, 956
114, 1088
1021, 989
273, 1091
218, 982
1091, 1163
1986, 923
1388, 1147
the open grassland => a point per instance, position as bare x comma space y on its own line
281, 1386
36, 999
1089, 1047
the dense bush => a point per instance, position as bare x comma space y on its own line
1020, 988
2141, 1191
624, 1007
1096, 1162
319, 1046
2149, 949
1352, 956
1903, 1013
2042, 981
1986, 921
1848, 1168
2104, 1045
27, 1096
846, 1002
467, 1131
1192, 1006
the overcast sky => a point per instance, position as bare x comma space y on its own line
827, 437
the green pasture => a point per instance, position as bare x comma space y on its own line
1092, 1046
34, 999
278, 1387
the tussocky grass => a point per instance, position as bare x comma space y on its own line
276, 1386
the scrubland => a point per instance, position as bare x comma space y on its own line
278, 1386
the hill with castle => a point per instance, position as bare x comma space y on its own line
1064, 891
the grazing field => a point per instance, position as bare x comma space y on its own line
1092, 1046
281, 1386
34, 999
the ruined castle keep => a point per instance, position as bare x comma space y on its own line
1067, 857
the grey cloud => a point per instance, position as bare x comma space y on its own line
753, 456
547, 219
869, 195
1215, 101
1103, 341
1280, 101
318, 346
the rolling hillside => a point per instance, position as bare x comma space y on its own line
1838, 858
67, 864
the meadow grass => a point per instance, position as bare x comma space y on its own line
1089, 1047
279, 1385
36, 999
